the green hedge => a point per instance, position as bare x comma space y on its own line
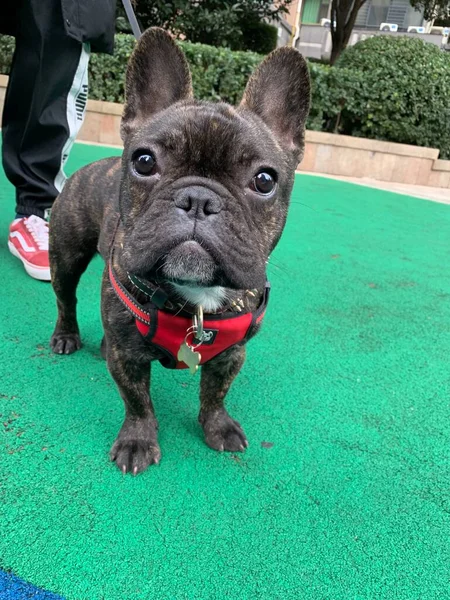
335, 97
386, 88
405, 96
217, 73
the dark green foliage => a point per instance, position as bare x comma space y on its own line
438, 10
6, 53
219, 73
259, 37
228, 23
335, 97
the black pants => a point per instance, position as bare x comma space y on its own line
44, 104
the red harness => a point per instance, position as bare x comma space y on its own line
167, 331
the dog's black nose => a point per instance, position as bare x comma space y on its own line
198, 201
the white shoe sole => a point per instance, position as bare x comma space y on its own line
41, 273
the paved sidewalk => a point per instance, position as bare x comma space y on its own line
436, 194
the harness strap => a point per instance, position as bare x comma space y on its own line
136, 309
166, 331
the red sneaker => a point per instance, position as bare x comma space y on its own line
28, 241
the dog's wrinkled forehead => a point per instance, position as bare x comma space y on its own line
208, 137
268, 124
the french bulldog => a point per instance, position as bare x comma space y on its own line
185, 220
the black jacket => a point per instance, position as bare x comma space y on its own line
90, 21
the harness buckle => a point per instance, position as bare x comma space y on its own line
197, 324
187, 351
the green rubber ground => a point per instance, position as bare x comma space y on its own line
344, 491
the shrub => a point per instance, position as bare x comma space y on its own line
405, 93
219, 73
335, 97
259, 37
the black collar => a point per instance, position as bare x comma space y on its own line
158, 296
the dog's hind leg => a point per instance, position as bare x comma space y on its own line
72, 247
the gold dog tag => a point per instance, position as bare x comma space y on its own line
189, 356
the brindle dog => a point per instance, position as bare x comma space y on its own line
196, 204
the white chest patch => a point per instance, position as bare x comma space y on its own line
211, 298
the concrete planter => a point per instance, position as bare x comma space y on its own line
359, 157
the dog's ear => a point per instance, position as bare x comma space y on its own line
279, 92
157, 76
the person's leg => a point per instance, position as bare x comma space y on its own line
44, 110
44, 105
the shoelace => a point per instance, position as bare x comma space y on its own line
39, 230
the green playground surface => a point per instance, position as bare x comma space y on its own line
343, 493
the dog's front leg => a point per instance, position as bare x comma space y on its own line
136, 446
221, 431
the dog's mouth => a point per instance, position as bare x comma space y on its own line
188, 264
195, 263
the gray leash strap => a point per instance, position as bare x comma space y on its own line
132, 18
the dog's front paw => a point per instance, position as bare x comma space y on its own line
222, 432
134, 456
135, 449
65, 343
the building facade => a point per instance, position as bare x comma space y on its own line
371, 15
376, 17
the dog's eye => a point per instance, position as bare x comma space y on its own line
263, 183
144, 164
